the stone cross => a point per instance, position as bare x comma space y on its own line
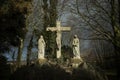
58, 30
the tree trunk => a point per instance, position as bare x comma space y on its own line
119, 11
29, 48
50, 17
115, 38
19, 53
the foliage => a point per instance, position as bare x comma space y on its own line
55, 72
101, 18
49, 20
67, 52
4, 69
36, 72
87, 72
12, 22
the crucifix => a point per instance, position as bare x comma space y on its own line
58, 30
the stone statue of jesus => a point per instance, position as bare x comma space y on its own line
76, 48
41, 48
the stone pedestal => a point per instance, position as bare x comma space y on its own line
76, 62
41, 61
58, 54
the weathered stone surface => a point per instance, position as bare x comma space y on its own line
76, 62
41, 48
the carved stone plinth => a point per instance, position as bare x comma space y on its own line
41, 61
76, 62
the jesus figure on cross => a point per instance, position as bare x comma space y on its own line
58, 30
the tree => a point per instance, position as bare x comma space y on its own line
49, 19
29, 52
102, 18
13, 25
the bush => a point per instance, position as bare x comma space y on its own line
4, 69
37, 72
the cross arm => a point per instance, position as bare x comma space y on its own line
65, 28
51, 29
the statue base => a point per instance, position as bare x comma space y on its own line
76, 62
41, 61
